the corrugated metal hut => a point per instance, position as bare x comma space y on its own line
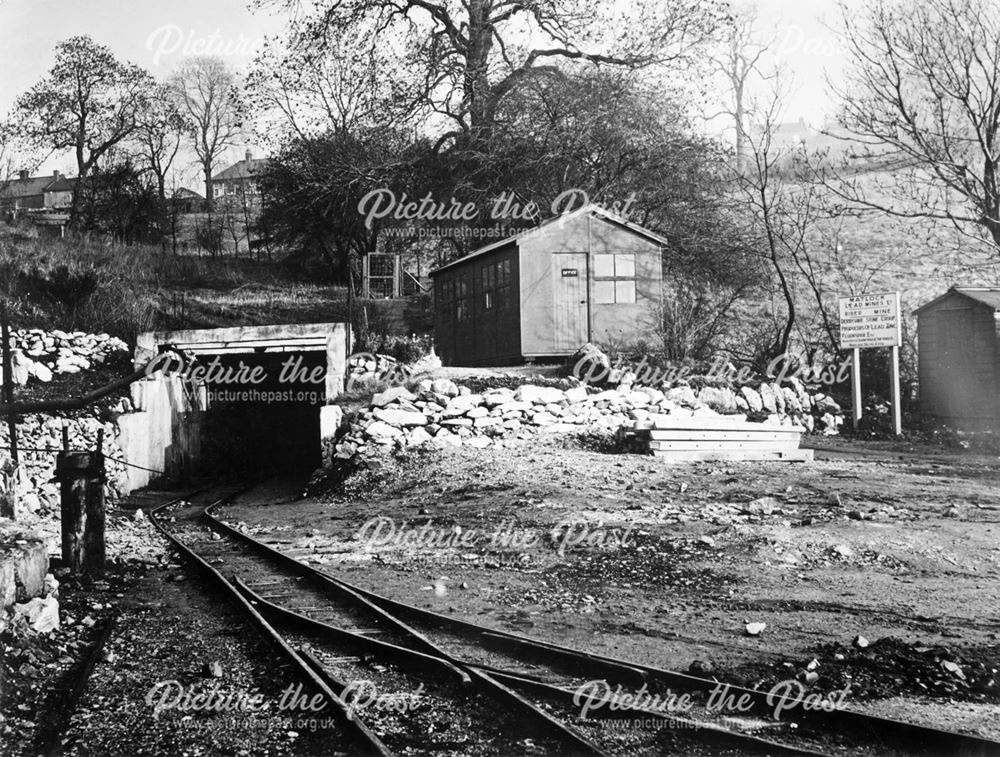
586, 276
958, 354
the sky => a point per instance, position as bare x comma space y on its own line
156, 34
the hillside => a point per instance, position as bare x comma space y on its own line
87, 285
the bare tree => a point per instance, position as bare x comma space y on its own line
207, 96
922, 99
88, 102
304, 91
468, 56
160, 129
739, 63
797, 226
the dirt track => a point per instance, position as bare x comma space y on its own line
675, 560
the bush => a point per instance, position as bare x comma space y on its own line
405, 349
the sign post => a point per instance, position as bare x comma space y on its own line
872, 321
856, 385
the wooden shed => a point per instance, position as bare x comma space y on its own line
959, 357
586, 276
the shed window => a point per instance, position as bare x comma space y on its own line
463, 309
446, 291
496, 285
614, 279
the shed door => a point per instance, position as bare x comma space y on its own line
569, 287
965, 380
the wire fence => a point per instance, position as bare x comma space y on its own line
22, 448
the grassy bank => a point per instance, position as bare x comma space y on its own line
88, 285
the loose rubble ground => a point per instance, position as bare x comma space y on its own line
159, 624
752, 571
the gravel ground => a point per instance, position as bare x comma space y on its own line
901, 550
161, 625
171, 628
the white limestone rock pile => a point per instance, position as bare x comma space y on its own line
442, 413
40, 355
792, 403
39, 437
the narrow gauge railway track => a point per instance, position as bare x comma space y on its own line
549, 673
422, 703
342, 638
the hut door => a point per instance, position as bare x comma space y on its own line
569, 271
967, 395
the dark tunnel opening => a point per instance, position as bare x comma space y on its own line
263, 416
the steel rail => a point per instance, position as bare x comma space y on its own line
920, 738
747, 743
356, 730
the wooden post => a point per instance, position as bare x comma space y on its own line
81, 478
897, 421
8, 381
856, 407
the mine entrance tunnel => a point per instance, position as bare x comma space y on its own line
260, 391
263, 412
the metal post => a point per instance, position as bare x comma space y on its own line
897, 421
8, 381
856, 408
81, 478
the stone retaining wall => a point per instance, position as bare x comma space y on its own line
441, 412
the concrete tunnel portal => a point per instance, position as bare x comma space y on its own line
240, 400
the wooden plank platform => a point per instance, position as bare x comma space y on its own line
687, 456
773, 433
701, 438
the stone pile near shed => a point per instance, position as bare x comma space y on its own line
441, 412
42, 354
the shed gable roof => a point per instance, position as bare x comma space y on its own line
591, 209
983, 295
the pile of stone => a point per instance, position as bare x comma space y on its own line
441, 412
42, 354
769, 401
31, 487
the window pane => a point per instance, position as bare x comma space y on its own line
488, 300
604, 292
625, 291
604, 266
625, 266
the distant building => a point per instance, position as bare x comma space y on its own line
53, 192
587, 276
188, 201
239, 178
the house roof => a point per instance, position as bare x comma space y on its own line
187, 194
62, 184
984, 295
241, 170
31, 187
591, 208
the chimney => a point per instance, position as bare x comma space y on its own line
249, 156
22, 175
55, 175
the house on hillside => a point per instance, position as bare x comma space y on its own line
187, 201
238, 180
586, 276
958, 340
53, 192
